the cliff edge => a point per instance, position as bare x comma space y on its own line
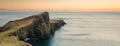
38, 26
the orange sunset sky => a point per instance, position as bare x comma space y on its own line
61, 5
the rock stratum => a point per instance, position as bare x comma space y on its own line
15, 33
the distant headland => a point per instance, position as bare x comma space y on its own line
16, 33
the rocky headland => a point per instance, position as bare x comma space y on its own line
16, 33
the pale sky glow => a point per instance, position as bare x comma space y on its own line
61, 5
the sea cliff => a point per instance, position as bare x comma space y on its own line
15, 33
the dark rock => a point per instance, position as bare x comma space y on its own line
33, 27
1, 29
56, 24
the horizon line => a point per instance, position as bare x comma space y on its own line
49, 11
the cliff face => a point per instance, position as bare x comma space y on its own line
0, 29
36, 26
56, 24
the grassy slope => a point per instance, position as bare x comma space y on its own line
6, 40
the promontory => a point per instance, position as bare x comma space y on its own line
17, 32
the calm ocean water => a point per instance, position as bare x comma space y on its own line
82, 29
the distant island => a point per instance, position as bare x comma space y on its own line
18, 32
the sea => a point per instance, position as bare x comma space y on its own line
82, 28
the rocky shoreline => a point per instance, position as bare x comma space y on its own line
16, 33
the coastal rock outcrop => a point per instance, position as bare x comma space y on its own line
30, 28
56, 24
0, 29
